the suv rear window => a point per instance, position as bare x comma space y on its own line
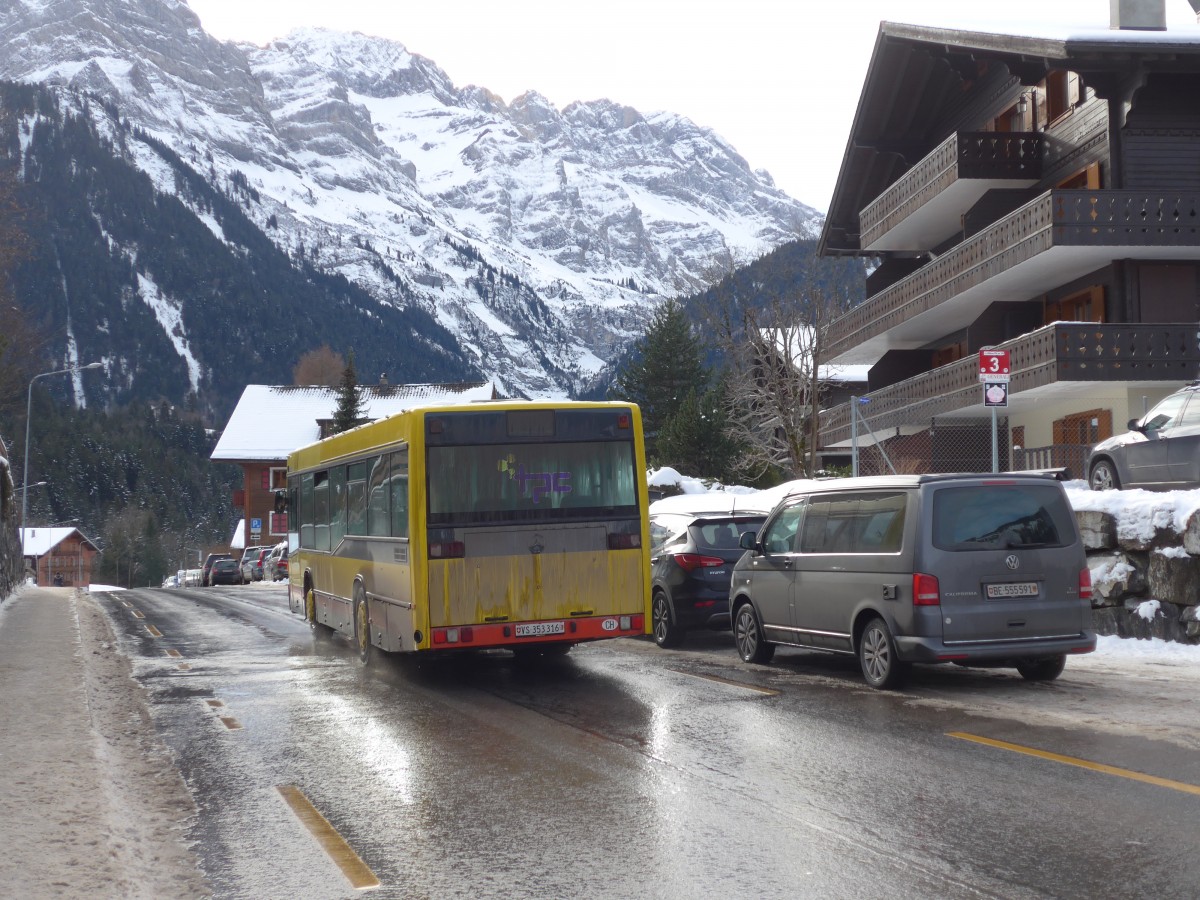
723, 534
1001, 517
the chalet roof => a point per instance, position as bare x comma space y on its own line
270, 421
919, 75
41, 541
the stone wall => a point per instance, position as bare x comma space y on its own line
1143, 587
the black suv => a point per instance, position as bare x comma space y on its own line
691, 563
206, 571
1161, 450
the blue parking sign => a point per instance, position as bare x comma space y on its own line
256, 524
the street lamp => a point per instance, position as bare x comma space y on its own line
28, 416
35, 484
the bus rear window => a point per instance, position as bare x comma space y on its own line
1001, 517
531, 482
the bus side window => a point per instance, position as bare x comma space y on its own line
304, 514
356, 497
399, 482
321, 511
337, 506
378, 500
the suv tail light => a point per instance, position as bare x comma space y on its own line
447, 549
926, 591
1085, 584
691, 561
624, 541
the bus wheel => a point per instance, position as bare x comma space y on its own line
310, 610
362, 627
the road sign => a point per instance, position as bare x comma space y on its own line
994, 365
995, 393
256, 524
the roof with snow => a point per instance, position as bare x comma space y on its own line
270, 421
41, 541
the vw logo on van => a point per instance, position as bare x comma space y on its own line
1012, 562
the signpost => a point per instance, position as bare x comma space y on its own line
995, 366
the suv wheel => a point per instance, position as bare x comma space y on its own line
1042, 669
747, 634
666, 632
1104, 476
877, 656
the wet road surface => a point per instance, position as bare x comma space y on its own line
627, 771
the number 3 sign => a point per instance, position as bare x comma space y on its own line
994, 365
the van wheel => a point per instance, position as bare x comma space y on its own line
666, 632
747, 634
877, 656
362, 627
1046, 669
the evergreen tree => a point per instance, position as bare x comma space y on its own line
664, 366
349, 405
694, 439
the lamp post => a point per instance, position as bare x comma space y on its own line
28, 416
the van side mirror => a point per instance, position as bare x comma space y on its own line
1134, 425
749, 541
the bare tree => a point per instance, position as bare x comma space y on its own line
320, 366
775, 382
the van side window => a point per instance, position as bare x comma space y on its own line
855, 523
780, 535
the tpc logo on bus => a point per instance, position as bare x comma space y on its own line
538, 484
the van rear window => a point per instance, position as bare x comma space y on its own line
1001, 517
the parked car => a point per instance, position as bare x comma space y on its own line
260, 563
206, 569
276, 566
980, 570
225, 571
251, 559
691, 563
1160, 451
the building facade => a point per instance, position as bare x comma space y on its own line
60, 557
1035, 194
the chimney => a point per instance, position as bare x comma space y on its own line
383, 375
1139, 15
1195, 8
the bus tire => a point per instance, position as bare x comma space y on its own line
310, 613
362, 626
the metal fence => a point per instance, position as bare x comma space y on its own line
911, 438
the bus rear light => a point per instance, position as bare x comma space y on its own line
639, 623
466, 635
439, 637
624, 541
691, 561
447, 550
926, 591
625, 623
1085, 584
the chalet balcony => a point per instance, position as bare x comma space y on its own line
1046, 363
925, 207
1057, 237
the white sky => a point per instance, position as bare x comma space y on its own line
778, 79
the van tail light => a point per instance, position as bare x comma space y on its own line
691, 561
926, 591
1085, 584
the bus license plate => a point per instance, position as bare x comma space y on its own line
534, 629
1012, 589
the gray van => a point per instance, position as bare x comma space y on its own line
980, 570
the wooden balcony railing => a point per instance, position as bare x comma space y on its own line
1064, 351
1057, 218
966, 155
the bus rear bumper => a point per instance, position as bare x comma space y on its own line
518, 634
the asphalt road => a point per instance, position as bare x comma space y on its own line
626, 770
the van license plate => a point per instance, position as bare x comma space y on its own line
533, 629
1012, 589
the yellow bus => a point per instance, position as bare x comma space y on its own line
506, 524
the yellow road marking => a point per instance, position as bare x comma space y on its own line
356, 871
719, 680
183, 666
154, 632
231, 723
214, 703
1081, 763
127, 604
137, 614
174, 654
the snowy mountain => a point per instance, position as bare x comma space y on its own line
540, 239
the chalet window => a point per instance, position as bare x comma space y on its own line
1087, 179
1085, 306
1058, 94
943, 356
1085, 428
